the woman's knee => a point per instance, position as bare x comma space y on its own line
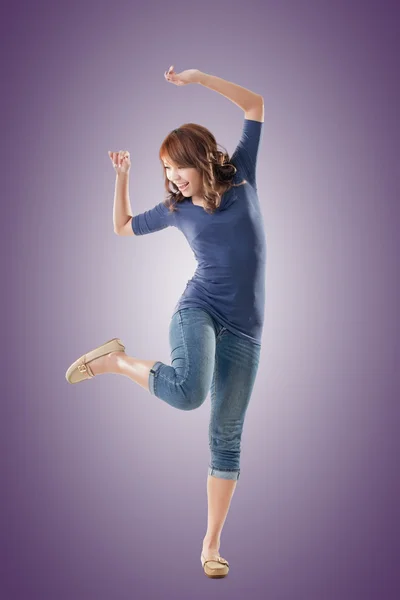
194, 395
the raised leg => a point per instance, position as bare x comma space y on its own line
185, 383
119, 363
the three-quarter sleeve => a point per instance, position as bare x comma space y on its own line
245, 155
157, 218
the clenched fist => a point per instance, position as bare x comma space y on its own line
121, 161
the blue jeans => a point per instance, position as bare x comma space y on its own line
205, 354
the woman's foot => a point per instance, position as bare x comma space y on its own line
105, 364
213, 564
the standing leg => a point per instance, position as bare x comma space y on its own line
219, 495
236, 365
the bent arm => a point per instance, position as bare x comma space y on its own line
239, 95
122, 207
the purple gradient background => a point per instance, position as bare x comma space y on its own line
104, 486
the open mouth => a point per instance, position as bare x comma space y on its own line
183, 188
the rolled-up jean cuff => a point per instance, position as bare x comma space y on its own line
152, 386
224, 474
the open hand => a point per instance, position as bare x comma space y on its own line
188, 76
121, 161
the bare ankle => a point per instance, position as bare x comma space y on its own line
210, 543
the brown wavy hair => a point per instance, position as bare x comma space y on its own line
194, 146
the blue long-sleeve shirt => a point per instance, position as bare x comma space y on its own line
229, 245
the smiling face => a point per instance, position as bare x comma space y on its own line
184, 175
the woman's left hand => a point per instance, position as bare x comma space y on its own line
188, 76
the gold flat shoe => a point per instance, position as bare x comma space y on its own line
215, 567
80, 369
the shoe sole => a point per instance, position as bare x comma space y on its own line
211, 576
76, 375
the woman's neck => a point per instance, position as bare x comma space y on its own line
199, 200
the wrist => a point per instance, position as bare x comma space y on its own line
202, 77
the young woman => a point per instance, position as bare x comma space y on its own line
216, 327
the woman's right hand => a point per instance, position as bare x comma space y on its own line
121, 161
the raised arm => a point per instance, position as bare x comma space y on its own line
250, 102
125, 223
246, 152
122, 213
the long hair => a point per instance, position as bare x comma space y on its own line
193, 145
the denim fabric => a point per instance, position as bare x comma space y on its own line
204, 356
